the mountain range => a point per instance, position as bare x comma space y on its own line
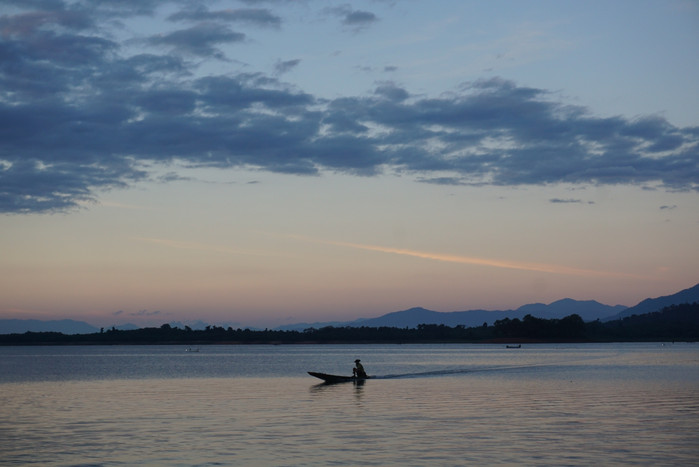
588, 310
650, 305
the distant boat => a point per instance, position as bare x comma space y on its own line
192, 350
518, 346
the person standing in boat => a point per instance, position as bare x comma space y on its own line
358, 369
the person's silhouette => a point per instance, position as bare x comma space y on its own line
358, 369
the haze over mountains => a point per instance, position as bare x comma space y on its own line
589, 310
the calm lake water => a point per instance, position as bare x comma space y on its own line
610, 404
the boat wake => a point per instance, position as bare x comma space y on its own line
426, 374
455, 371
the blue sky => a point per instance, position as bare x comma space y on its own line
265, 162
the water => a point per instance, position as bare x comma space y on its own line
610, 404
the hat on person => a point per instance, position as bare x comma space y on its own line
357, 361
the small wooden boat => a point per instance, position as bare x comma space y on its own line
331, 379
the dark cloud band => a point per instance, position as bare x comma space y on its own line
77, 117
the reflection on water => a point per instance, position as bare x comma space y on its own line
550, 405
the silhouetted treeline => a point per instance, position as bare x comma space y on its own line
570, 327
678, 322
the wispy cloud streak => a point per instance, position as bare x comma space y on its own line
496, 263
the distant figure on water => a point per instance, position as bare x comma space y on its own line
358, 369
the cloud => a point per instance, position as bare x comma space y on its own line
356, 20
359, 18
496, 263
255, 16
145, 313
199, 39
26, 23
441, 180
282, 67
569, 201
79, 115
391, 91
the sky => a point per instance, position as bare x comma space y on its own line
269, 162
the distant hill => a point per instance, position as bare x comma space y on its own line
651, 305
69, 326
415, 316
65, 326
317, 325
588, 310
674, 322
